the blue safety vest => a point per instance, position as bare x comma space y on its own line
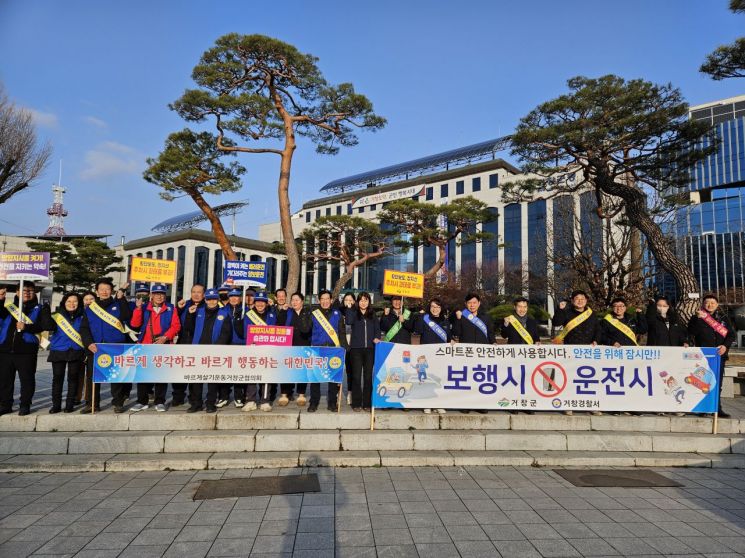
222, 315
319, 337
103, 332
59, 341
166, 315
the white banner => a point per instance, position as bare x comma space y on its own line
546, 377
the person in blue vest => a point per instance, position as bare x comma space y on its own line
196, 298
66, 349
158, 323
433, 327
235, 309
106, 319
329, 330
260, 314
19, 347
206, 325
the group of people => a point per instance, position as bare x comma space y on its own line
221, 316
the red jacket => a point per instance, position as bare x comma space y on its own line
154, 325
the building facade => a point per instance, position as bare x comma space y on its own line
514, 261
199, 258
711, 231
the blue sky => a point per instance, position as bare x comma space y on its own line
99, 75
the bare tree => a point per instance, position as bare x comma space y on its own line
596, 254
22, 156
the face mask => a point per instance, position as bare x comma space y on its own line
662, 310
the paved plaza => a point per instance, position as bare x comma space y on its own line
425, 511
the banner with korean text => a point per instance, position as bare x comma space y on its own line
122, 363
546, 378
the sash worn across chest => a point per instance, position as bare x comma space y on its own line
391, 333
622, 327
572, 324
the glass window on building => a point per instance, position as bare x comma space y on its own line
201, 264
307, 216
468, 254
328, 211
338, 210
373, 207
538, 260
271, 273
451, 261
493, 180
430, 257
217, 271
349, 209
490, 251
430, 194
360, 210
318, 213
181, 265
476, 184
159, 254
460, 188
443, 190
513, 249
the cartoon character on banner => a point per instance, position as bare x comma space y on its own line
672, 387
421, 368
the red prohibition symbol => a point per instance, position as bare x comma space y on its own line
558, 382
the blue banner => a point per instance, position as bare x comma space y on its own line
246, 273
124, 363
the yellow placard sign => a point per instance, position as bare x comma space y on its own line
403, 283
152, 271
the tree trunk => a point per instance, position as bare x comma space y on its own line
343, 280
217, 228
285, 219
639, 218
432, 271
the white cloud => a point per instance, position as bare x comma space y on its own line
96, 122
111, 158
44, 119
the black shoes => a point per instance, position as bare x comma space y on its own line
118, 408
312, 408
24, 411
211, 408
722, 414
177, 402
194, 409
55, 410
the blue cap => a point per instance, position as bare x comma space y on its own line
224, 287
142, 288
235, 292
211, 294
158, 288
261, 296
